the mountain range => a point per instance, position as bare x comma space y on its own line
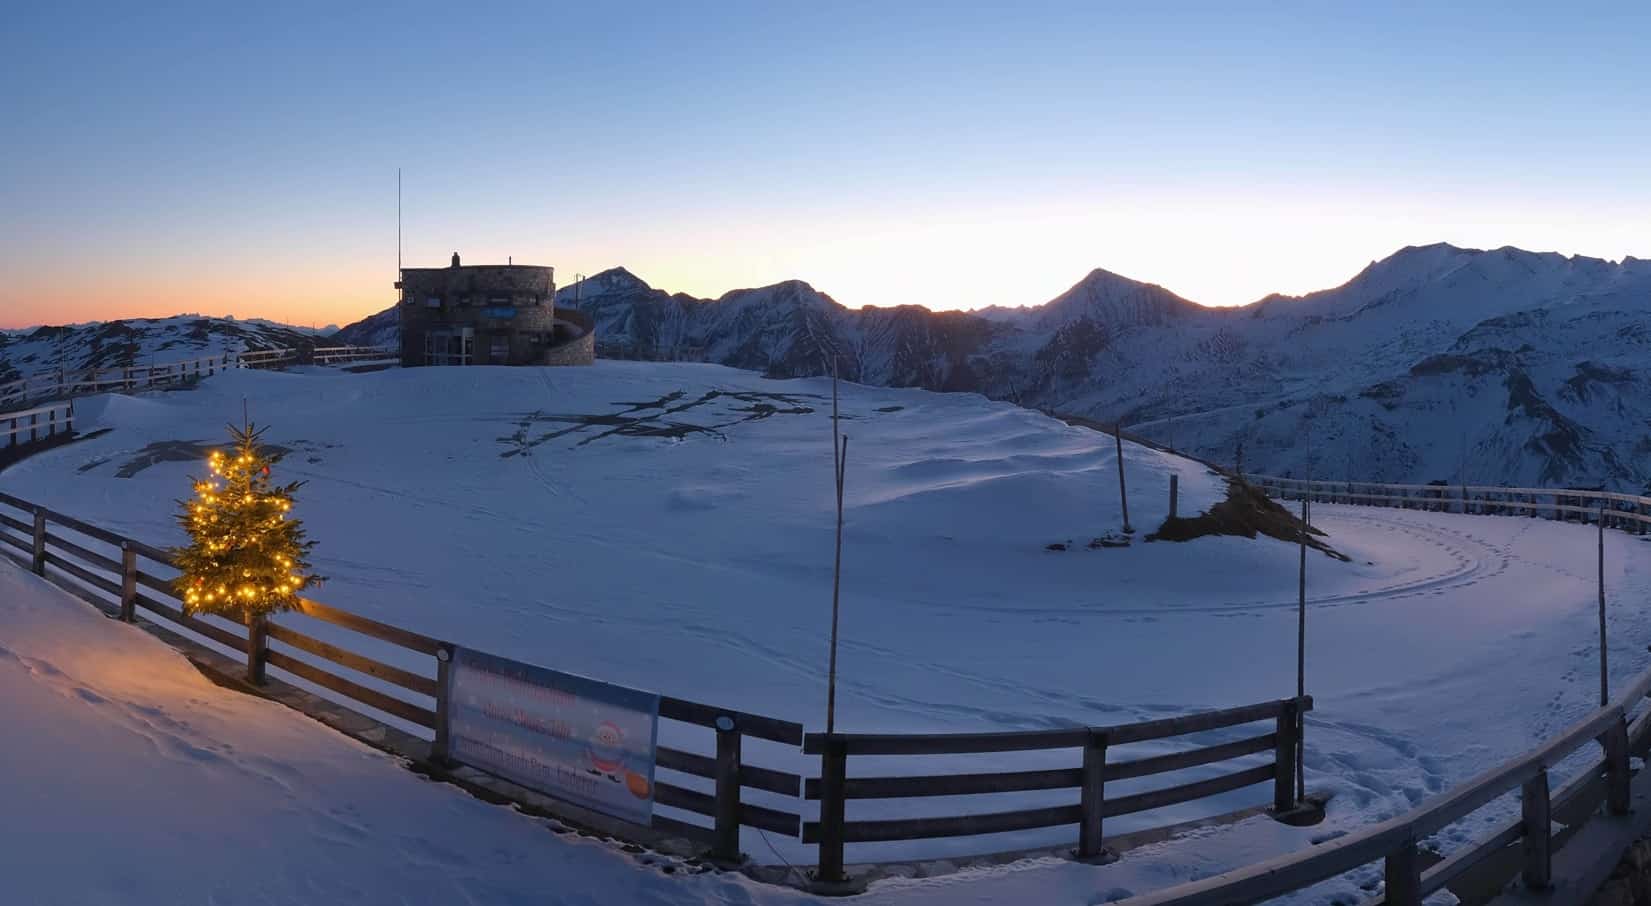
1436, 363
137, 342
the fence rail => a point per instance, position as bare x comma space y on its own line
1621, 511
834, 788
1604, 781
66, 384
123, 576
345, 355
39, 423
1396, 841
115, 580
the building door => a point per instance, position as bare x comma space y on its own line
498, 352
449, 347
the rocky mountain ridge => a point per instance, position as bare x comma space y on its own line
1435, 363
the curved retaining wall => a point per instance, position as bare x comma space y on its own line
580, 350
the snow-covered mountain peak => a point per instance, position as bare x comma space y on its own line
614, 280
1113, 300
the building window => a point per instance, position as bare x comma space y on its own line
499, 351
432, 302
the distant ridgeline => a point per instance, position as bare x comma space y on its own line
137, 342
1435, 364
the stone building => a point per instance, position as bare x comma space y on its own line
489, 314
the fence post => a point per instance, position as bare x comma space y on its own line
257, 644
1284, 756
442, 748
1617, 774
39, 560
128, 582
1093, 798
833, 772
1403, 874
727, 845
1533, 808
1174, 494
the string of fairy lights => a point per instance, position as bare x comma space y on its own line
246, 555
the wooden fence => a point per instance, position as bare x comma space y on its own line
1396, 842
123, 576
349, 355
409, 682
1620, 511
833, 788
66, 384
1528, 843
37, 424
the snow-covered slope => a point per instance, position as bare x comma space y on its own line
382, 329
1436, 363
190, 793
669, 526
138, 341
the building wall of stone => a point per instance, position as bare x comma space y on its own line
509, 309
578, 351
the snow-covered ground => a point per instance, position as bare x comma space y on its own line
129, 778
509, 509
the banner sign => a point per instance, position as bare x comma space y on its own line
571, 737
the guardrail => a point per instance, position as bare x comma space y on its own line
40, 423
833, 788
344, 355
64, 384
1621, 511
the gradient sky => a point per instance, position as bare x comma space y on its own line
240, 158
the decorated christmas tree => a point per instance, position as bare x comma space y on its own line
246, 558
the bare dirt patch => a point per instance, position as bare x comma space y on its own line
659, 418
1245, 512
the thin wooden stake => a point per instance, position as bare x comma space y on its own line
1301, 647
1604, 656
1123, 492
839, 459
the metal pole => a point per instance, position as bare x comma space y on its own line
1301, 649
1604, 681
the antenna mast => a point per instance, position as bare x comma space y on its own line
398, 223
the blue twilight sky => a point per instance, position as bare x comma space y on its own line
241, 158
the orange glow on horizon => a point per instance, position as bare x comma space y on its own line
312, 301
